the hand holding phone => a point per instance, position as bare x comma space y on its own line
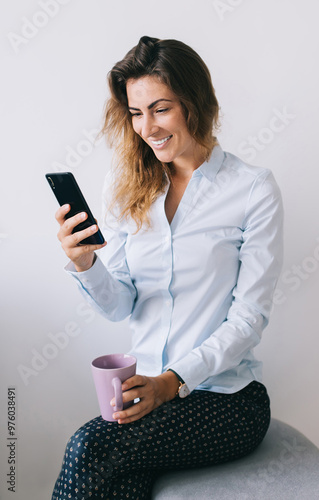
79, 234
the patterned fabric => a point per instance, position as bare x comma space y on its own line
106, 460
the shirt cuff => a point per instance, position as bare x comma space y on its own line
191, 369
91, 278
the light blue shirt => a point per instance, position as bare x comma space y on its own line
198, 290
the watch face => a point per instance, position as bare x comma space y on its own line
184, 391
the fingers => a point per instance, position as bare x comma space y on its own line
137, 387
74, 239
67, 225
81, 255
134, 412
125, 417
136, 380
143, 388
66, 235
61, 213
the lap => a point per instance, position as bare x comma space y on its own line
108, 460
203, 428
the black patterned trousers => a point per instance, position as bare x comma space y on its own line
106, 460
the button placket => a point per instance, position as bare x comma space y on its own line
167, 268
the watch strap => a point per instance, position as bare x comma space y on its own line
178, 376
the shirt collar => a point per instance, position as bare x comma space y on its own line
210, 168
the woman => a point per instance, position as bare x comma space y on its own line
193, 254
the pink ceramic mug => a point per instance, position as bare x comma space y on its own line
109, 372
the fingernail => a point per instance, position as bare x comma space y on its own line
115, 416
112, 402
124, 387
93, 228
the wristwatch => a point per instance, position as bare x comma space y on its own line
183, 390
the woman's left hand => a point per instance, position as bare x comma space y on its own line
152, 392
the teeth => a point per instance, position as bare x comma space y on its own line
158, 143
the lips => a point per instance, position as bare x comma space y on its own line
160, 142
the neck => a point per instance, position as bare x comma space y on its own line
183, 168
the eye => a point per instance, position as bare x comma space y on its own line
136, 114
161, 110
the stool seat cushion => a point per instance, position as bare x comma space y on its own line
284, 466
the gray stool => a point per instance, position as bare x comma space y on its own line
284, 467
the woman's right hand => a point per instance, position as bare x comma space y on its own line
82, 256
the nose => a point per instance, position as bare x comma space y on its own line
148, 126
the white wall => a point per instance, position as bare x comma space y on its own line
263, 60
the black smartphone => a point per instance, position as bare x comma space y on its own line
67, 191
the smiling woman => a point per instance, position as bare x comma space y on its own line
164, 80
163, 128
194, 249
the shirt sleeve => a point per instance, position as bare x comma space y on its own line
260, 258
107, 285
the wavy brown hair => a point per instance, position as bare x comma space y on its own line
140, 176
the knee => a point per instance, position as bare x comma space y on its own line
98, 441
84, 443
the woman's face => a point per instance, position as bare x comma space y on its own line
157, 116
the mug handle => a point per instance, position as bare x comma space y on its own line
117, 384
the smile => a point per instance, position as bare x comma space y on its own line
161, 141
